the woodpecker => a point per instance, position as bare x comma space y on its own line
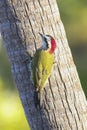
42, 63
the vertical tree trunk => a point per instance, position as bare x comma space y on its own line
65, 106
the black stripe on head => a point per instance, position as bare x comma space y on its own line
45, 39
49, 36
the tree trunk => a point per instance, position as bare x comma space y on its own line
65, 106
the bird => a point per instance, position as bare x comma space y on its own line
42, 63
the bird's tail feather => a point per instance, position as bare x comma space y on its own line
38, 100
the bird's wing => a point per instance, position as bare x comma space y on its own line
45, 75
44, 67
37, 69
38, 75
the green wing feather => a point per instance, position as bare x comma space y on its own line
41, 66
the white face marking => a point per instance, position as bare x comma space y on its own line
48, 38
49, 41
49, 44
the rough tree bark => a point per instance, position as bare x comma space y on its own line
65, 106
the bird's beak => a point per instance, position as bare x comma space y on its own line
42, 35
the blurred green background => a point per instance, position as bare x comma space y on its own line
74, 16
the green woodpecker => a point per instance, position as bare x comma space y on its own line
42, 65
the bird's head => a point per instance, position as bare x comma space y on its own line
48, 43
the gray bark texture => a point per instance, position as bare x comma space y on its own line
64, 103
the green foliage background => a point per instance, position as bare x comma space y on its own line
74, 17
